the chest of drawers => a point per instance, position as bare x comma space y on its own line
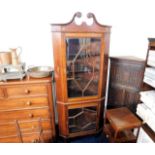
26, 111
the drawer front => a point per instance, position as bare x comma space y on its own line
23, 103
25, 127
34, 137
8, 129
26, 90
24, 114
35, 125
10, 139
28, 138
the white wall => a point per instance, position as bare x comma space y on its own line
26, 23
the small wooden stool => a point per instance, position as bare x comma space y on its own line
120, 124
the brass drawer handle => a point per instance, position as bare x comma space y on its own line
28, 103
31, 115
27, 91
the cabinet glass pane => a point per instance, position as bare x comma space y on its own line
83, 66
82, 119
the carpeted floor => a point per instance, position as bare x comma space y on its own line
99, 138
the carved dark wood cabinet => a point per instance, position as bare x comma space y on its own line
80, 62
126, 77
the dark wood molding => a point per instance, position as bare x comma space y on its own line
71, 26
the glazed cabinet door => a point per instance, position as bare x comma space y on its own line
80, 62
82, 119
83, 65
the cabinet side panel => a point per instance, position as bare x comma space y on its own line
51, 108
62, 118
106, 55
58, 65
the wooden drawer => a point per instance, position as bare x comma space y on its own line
28, 126
23, 103
26, 90
34, 137
34, 125
24, 114
8, 129
10, 139
28, 138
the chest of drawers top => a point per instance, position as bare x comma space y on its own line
26, 81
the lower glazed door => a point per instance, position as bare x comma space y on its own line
82, 120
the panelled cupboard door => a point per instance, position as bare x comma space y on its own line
83, 62
116, 97
131, 99
119, 97
126, 76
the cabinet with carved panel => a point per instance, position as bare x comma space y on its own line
80, 62
126, 77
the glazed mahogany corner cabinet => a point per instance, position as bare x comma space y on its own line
80, 62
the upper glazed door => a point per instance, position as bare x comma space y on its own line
83, 65
79, 52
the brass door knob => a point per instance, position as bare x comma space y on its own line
27, 91
30, 115
28, 103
